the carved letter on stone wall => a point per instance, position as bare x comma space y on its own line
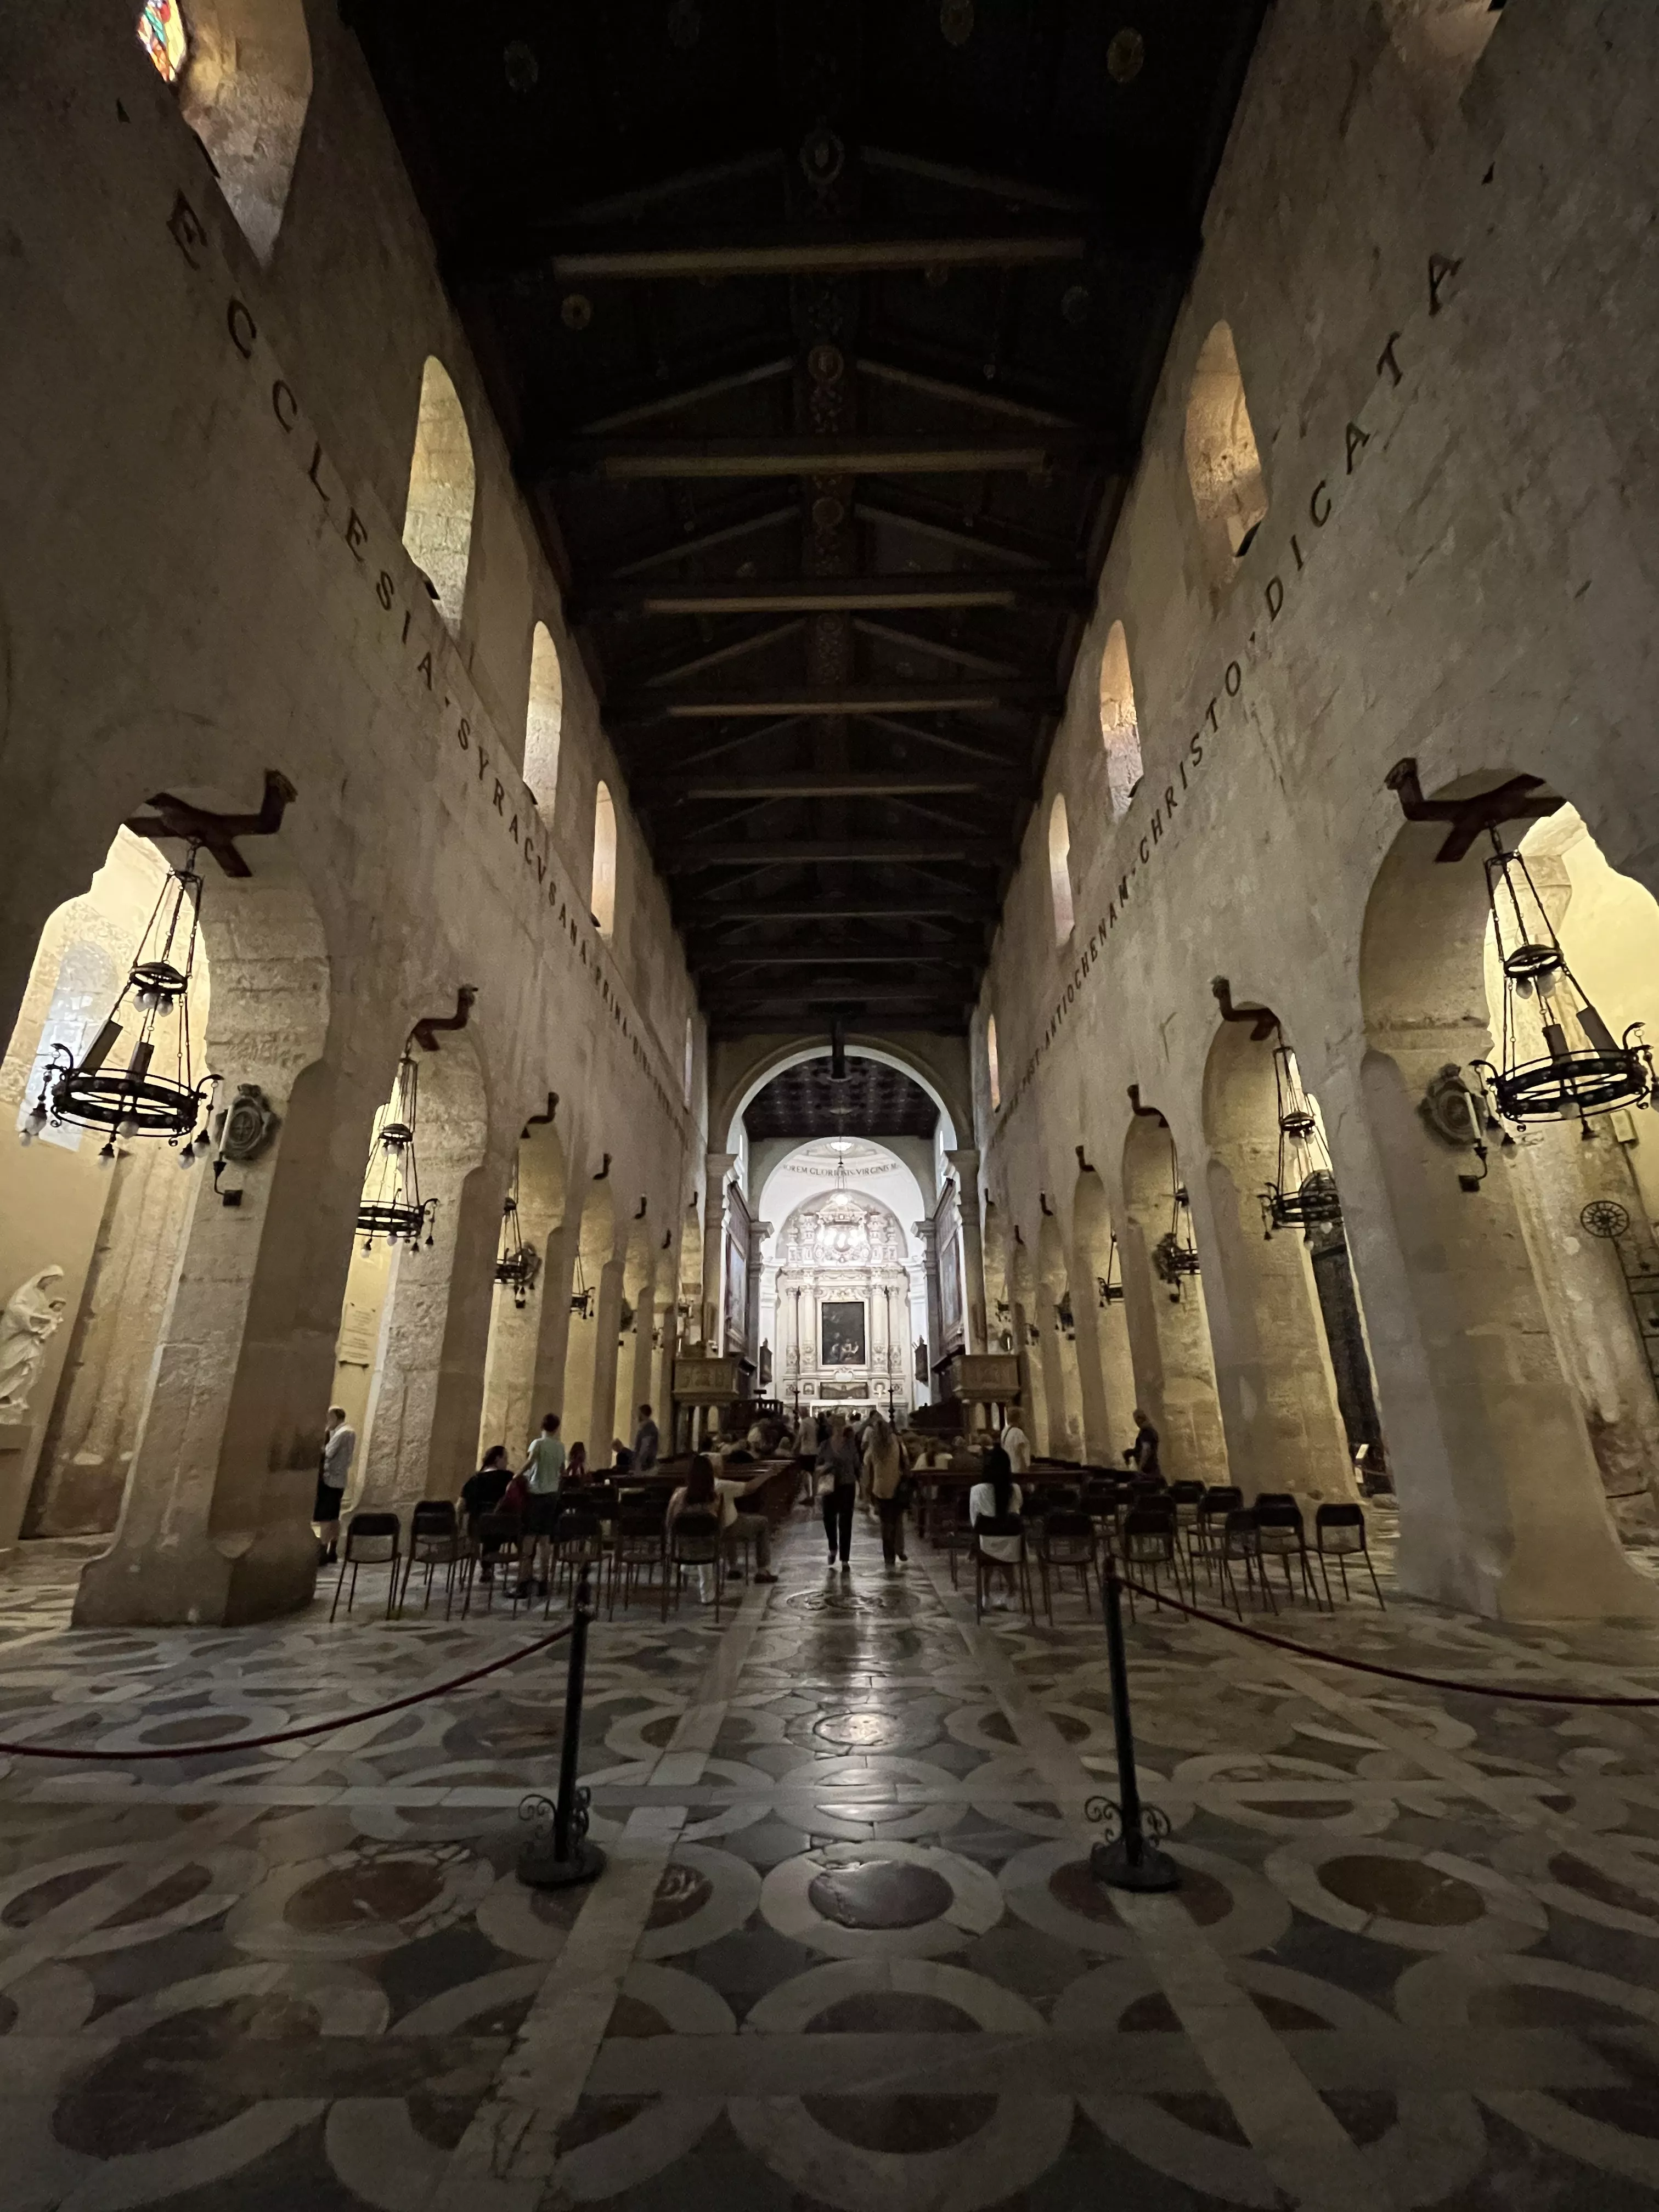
31, 1314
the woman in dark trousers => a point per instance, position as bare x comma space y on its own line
838, 1464
482, 1493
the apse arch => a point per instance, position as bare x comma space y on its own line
779, 1058
900, 1194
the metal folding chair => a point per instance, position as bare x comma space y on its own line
1241, 1546
578, 1545
1148, 1545
1281, 1536
1008, 1524
637, 1552
1065, 1545
494, 1545
372, 1539
1339, 1534
694, 1540
435, 1542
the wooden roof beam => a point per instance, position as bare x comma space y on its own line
638, 710
1065, 588
646, 460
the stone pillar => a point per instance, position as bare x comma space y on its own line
716, 1168
758, 1233
966, 1164
215, 1521
553, 1335
927, 1232
1344, 1333
607, 1326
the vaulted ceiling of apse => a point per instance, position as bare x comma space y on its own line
825, 334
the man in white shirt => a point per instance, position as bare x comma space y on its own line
1017, 1445
333, 1466
543, 1470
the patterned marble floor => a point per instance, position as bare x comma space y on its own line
848, 1952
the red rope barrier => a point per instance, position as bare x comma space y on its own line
1371, 1667
293, 1734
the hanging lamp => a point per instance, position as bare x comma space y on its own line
517, 1263
1304, 1194
391, 1206
1110, 1285
1174, 1256
1583, 1069
154, 1091
581, 1298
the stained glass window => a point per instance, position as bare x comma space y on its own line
161, 35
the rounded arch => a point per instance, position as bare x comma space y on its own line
1120, 725
602, 895
543, 722
243, 72
1060, 869
905, 1202
1223, 466
993, 1067
1439, 43
774, 1061
1169, 1323
442, 484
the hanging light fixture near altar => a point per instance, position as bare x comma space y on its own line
137, 1076
1304, 1194
517, 1263
1582, 1069
391, 1206
581, 1298
1174, 1256
1109, 1286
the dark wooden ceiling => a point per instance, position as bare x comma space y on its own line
869, 1100
825, 333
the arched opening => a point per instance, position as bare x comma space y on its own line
775, 1062
636, 1319
1034, 1407
1056, 1322
1223, 465
1105, 1369
1274, 1368
1060, 868
542, 722
691, 1059
389, 1355
1163, 1299
438, 518
602, 898
991, 1070
1120, 727
105, 1232
242, 72
589, 1364
510, 1413
1439, 43
1503, 1506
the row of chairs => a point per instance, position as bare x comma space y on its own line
1181, 1529
624, 1541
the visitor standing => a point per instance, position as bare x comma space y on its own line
543, 1471
1143, 1452
647, 1442
885, 1465
838, 1466
1017, 1445
333, 1466
807, 1439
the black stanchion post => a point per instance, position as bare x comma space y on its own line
559, 1854
1129, 1859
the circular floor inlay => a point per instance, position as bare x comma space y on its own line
893, 2011
681, 1891
865, 1730
879, 1894
905, 2123
1403, 1889
374, 1889
31, 1904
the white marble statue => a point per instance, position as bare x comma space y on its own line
31, 1315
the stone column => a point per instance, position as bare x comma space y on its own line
758, 1233
215, 1522
966, 1164
927, 1232
716, 1168
453, 1431
553, 1337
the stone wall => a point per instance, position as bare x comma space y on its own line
1445, 319
202, 577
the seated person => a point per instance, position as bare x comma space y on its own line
482, 1493
576, 1476
703, 1488
995, 1497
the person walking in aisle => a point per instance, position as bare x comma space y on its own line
333, 1466
807, 1440
837, 1466
889, 1478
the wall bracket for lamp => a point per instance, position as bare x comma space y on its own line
540, 1121
1522, 799
1148, 1113
1266, 1021
216, 833
425, 1031
1084, 1168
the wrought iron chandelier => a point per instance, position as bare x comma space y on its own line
1174, 1256
581, 1298
517, 1263
1304, 1194
391, 1206
1109, 1285
1583, 1069
154, 1092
